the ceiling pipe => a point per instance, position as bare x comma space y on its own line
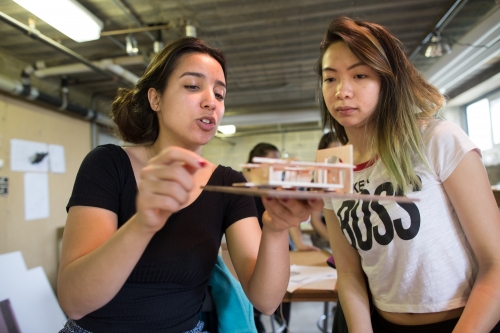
442, 22
80, 68
108, 64
19, 89
476, 48
132, 17
133, 30
37, 35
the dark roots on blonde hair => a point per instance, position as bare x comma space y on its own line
405, 97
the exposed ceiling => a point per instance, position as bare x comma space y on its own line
271, 46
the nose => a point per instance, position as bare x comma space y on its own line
344, 90
209, 101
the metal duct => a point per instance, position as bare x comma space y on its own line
443, 21
31, 93
35, 34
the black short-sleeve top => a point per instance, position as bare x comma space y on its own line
165, 291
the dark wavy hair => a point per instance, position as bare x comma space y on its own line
326, 139
136, 121
261, 150
406, 99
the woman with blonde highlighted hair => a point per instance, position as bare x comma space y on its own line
432, 265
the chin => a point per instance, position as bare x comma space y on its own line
203, 140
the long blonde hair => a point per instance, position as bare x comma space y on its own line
406, 98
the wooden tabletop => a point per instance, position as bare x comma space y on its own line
321, 291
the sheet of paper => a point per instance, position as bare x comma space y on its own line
36, 196
56, 159
303, 275
31, 297
23, 156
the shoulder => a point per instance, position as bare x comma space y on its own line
439, 129
228, 176
108, 150
444, 134
445, 143
107, 156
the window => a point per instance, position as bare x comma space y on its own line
483, 122
495, 120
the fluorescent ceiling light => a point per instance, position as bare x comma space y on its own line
227, 129
67, 16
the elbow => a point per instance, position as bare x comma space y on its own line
70, 311
68, 307
267, 307
267, 310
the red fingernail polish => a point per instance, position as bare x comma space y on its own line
269, 199
202, 163
284, 199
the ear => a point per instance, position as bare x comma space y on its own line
154, 99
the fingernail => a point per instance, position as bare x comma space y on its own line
269, 199
202, 163
284, 199
313, 200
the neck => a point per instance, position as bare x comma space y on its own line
163, 143
360, 140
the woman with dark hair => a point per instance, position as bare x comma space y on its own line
432, 265
264, 149
320, 237
141, 237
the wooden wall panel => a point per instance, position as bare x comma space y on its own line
37, 239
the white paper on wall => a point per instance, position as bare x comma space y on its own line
57, 161
36, 196
24, 155
32, 299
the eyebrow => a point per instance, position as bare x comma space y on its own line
327, 69
203, 76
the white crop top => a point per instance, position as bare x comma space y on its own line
416, 255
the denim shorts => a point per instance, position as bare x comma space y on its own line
72, 327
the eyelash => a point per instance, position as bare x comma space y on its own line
219, 97
357, 76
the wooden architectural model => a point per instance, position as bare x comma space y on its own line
332, 171
331, 176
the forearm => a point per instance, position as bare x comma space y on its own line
353, 296
318, 225
91, 281
482, 311
271, 275
320, 228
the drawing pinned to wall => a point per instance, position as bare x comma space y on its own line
57, 161
36, 196
27, 156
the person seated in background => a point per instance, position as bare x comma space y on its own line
268, 150
320, 237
